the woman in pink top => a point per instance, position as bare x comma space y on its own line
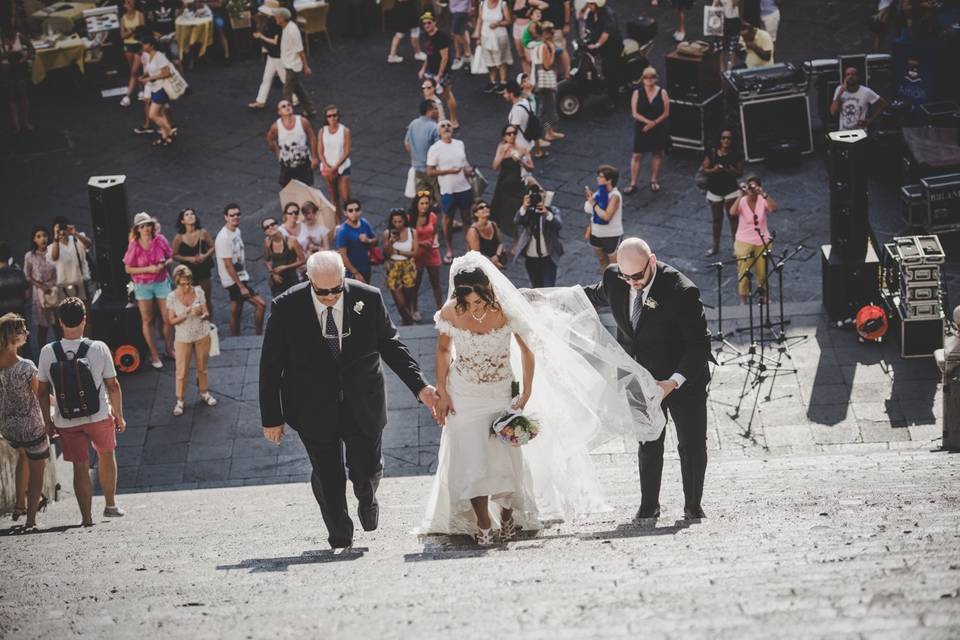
146, 260
753, 237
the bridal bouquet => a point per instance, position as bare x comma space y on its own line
514, 428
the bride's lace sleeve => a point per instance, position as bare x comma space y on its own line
442, 325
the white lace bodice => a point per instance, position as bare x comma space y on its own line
480, 358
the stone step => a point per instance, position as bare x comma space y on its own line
809, 546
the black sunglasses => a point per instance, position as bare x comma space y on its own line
634, 276
352, 209
337, 290
269, 225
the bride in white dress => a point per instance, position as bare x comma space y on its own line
574, 380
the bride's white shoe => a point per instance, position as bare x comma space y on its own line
508, 530
484, 537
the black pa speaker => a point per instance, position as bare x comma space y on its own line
111, 233
847, 165
848, 286
690, 78
118, 324
768, 123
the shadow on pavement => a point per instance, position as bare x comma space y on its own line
18, 530
269, 565
637, 529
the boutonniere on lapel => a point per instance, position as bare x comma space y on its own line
358, 307
649, 303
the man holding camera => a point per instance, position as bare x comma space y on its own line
538, 240
68, 252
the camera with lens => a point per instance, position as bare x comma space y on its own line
535, 198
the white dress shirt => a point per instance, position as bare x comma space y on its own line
532, 247
322, 311
676, 377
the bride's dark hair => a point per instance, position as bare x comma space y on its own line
473, 281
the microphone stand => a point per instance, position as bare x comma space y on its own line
720, 336
780, 335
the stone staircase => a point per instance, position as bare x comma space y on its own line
832, 545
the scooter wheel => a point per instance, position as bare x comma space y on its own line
569, 104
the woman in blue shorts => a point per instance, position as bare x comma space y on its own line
147, 258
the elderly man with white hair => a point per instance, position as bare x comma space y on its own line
320, 373
661, 324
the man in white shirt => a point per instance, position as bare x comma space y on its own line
855, 105
447, 161
294, 60
98, 429
232, 269
519, 115
68, 252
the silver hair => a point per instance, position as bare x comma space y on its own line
634, 246
285, 13
324, 263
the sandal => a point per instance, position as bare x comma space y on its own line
178, 408
448, 259
208, 399
484, 537
654, 186
631, 189
508, 530
17, 513
541, 154
710, 252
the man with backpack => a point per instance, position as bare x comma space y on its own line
88, 408
522, 116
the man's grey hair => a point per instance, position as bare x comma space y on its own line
634, 247
324, 263
284, 13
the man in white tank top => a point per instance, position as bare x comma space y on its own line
292, 142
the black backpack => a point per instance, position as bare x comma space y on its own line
534, 130
77, 394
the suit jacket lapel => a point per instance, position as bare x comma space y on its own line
349, 299
654, 294
622, 308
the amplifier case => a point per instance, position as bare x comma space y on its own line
912, 207
942, 195
919, 337
693, 125
758, 134
692, 79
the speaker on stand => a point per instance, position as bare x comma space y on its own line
114, 319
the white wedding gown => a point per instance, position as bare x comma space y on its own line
586, 391
471, 463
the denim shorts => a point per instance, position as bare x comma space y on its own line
151, 290
159, 97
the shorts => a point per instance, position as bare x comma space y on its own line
518, 27
609, 244
462, 200
559, 40
132, 47
303, 173
459, 23
159, 97
401, 274
343, 174
712, 197
75, 441
219, 22
151, 290
234, 292
37, 449
443, 81
682, 5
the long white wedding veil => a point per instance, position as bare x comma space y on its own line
587, 390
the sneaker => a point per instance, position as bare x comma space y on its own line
256, 105
457, 64
679, 36
140, 95
113, 512
420, 56
144, 130
295, 101
490, 88
125, 101
178, 408
394, 59
157, 364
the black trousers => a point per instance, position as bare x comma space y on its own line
542, 271
348, 452
687, 407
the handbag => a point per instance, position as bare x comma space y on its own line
174, 85
214, 340
410, 190
478, 184
49, 299
375, 254
477, 67
712, 21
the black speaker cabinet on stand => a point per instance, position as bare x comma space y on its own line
847, 286
847, 166
118, 324
696, 125
111, 232
771, 123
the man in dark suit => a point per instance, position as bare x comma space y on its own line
320, 373
538, 239
660, 323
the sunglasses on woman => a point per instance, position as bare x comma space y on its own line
269, 226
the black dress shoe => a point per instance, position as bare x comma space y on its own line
369, 516
693, 513
644, 514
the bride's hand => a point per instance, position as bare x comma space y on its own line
521, 401
443, 408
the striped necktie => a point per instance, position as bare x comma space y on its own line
637, 310
331, 335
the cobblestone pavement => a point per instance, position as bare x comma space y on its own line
827, 546
221, 156
843, 396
